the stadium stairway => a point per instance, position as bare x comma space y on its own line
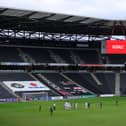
54, 88
85, 80
84, 90
5, 92
25, 57
38, 77
107, 80
96, 79
76, 58
56, 57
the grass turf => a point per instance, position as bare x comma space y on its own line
27, 114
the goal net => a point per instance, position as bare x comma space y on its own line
35, 96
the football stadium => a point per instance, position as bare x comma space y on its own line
61, 68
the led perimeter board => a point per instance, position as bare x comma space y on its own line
113, 47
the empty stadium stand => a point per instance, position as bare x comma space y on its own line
116, 59
86, 80
64, 83
123, 83
107, 81
40, 55
5, 93
10, 76
9, 55
66, 55
88, 56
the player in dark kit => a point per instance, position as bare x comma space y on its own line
40, 107
101, 104
116, 103
51, 110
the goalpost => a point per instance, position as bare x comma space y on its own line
35, 96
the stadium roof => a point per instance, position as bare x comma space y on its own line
58, 23
104, 9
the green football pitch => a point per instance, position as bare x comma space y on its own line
27, 113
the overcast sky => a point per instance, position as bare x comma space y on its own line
108, 9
